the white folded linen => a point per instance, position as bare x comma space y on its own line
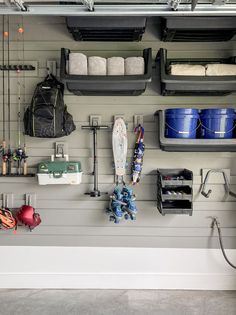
97, 66
78, 64
134, 66
220, 69
187, 69
115, 66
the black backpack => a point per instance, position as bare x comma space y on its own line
47, 115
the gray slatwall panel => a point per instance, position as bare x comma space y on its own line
119, 241
72, 219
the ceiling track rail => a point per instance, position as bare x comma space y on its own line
122, 10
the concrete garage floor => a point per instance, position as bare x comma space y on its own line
116, 302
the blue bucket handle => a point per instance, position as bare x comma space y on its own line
183, 132
217, 132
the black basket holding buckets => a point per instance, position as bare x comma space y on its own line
184, 129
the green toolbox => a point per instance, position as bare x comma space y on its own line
59, 172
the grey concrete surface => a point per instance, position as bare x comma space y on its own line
116, 302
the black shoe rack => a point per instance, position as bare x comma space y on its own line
177, 85
190, 145
104, 84
198, 29
174, 191
115, 28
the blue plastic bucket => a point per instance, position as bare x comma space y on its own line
181, 123
217, 123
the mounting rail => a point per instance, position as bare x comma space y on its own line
228, 9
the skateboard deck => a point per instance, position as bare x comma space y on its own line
120, 146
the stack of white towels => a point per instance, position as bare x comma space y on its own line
218, 69
80, 64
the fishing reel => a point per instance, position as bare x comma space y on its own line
6, 157
19, 155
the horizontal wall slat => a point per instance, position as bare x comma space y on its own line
119, 241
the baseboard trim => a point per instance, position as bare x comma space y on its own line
119, 281
115, 268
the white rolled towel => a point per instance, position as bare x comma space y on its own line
115, 66
187, 69
134, 66
78, 64
220, 69
97, 66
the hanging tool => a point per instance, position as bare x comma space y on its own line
138, 155
95, 192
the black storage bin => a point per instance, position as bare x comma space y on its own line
107, 85
191, 145
178, 182
118, 28
198, 29
193, 85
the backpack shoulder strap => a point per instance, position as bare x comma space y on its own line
52, 80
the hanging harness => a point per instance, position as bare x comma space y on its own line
7, 221
138, 155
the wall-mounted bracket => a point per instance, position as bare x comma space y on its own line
19, 67
52, 67
95, 120
138, 120
20, 5
30, 200
89, 4
174, 4
60, 150
7, 200
121, 116
193, 4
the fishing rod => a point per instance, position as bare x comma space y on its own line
24, 156
3, 148
18, 154
9, 153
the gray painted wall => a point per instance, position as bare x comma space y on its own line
69, 218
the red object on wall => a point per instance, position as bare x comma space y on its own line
27, 216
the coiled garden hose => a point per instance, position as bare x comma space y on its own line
217, 224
